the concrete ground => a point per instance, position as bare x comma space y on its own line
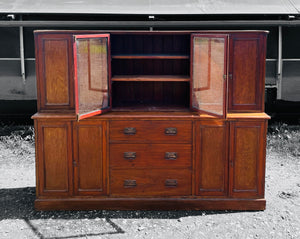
18, 219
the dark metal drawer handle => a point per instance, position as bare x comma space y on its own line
129, 131
171, 155
129, 155
171, 131
171, 183
129, 183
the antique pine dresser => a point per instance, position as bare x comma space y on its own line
150, 120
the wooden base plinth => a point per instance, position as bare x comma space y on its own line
149, 204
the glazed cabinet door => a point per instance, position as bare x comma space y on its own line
92, 74
211, 173
209, 73
247, 72
89, 160
247, 158
54, 70
54, 153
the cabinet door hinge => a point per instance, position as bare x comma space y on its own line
74, 163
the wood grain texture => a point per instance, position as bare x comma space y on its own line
211, 159
246, 72
54, 68
163, 43
180, 115
138, 94
150, 182
153, 56
247, 159
54, 157
150, 204
201, 163
150, 54
89, 161
150, 155
56, 71
167, 78
151, 131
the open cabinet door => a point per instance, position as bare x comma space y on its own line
209, 73
92, 74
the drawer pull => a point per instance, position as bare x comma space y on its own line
171, 131
129, 155
129, 131
129, 183
171, 183
171, 155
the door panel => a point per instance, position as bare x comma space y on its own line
54, 72
211, 159
209, 73
92, 74
54, 157
247, 158
89, 158
247, 72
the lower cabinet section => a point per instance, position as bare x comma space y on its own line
209, 165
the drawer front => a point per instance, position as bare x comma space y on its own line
158, 182
151, 131
150, 155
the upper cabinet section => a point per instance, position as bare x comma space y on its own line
92, 74
54, 68
247, 72
210, 72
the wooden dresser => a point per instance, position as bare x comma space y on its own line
150, 120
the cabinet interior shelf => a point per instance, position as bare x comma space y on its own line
151, 108
168, 78
158, 56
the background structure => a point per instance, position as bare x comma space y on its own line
18, 20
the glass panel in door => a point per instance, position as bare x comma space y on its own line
209, 73
92, 74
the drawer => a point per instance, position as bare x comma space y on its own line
158, 182
151, 131
150, 155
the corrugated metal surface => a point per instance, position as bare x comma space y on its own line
296, 4
152, 6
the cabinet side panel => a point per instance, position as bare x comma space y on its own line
56, 71
55, 155
212, 160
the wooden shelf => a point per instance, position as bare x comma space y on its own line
161, 56
169, 78
150, 108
